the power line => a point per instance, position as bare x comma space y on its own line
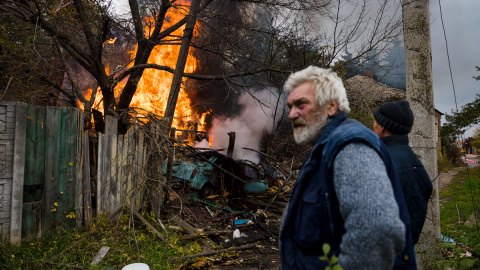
456, 107
448, 55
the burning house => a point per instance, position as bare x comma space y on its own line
205, 112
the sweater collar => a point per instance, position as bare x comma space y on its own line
395, 139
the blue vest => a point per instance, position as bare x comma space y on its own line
313, 217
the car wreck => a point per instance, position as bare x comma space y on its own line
210, 172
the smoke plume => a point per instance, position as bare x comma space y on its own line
257, 117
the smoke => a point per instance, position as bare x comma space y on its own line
257, 117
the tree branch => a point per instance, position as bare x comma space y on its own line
74, 84
196, 76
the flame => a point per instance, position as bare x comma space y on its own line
154, 86
110, 41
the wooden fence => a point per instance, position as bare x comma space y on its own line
45, 169
120, 162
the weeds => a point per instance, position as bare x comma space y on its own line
129, 242
459, 203
444, 163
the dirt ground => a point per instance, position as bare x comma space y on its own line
260, 235
263, 234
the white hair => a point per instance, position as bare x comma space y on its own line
327, 85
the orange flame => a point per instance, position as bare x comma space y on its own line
154, 86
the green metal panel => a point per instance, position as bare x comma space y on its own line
34, 171
50, 198
53, 168
61, 173
67, 150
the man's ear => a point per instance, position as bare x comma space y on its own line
332, 107
383, 132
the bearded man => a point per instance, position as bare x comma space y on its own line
347, 194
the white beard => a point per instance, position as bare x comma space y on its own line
308, 133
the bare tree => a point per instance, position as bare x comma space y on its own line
253, 45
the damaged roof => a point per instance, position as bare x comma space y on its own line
362, 88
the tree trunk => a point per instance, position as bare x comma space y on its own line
181, 61
418, 67
144, 49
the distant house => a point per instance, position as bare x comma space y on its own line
366, 95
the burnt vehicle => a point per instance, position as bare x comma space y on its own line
209, 172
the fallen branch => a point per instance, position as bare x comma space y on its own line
190, 236
180, 229
103, 251
184, 225
159, 235
213, 252
67, 265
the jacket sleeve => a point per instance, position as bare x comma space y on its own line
374, 233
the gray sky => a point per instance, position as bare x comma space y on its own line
461, 22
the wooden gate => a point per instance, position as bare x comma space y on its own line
52, 169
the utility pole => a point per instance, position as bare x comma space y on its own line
418, 68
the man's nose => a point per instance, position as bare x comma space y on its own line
293, 114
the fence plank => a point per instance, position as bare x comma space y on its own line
119, 173
80, 181
131, 165
100, 173
110, 152
87, 190
67, 151
114, 200
52, 168
137, 157
124, 169
34, 172
51, 171
18, 174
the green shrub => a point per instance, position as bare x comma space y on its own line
444, 164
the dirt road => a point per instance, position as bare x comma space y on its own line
444, 179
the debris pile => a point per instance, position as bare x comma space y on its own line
228, 222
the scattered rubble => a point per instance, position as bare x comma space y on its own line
229, 223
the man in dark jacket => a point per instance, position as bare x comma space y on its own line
392, 123
348, 194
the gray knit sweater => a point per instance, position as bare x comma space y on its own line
374, 232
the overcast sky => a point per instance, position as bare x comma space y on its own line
462, 24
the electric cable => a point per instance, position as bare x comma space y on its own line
456, 108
